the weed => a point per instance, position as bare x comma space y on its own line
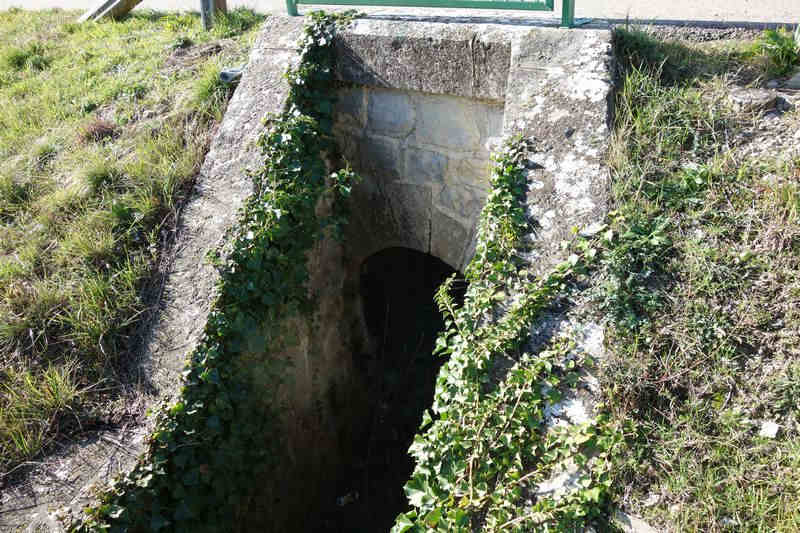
13, 196
235, 22
701, 286
32, 403
181, 42
675, 62
30, 57
43, 155
99, 175
211, 93
781, 49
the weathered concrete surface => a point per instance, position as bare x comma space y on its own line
219, 192
560, 98
456, 59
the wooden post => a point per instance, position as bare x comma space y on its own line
220, 6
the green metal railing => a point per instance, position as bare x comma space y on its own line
567, 7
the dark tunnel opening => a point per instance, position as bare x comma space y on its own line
397, 287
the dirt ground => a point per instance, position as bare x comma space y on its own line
730, 11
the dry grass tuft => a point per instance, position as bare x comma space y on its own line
98, 130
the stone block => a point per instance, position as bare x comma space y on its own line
349, 108
469, 172
424, 167
386, 215
749, 100
447, 122
448, 239
494, 122
349, 141
461, 201
438, 58
390, 113
379, 158
410, 206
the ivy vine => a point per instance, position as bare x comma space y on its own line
223, 431
486, 445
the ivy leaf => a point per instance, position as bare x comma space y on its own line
593, 494
405, 522
432, 518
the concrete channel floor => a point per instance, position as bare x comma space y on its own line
734, 12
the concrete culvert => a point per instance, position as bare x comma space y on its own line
421, 105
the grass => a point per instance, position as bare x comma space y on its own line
780, 48
702, 285
99, 142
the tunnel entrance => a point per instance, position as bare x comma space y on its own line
397, 288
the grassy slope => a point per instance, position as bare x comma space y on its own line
703, 282
100, 136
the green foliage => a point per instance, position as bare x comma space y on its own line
30, 402
675, 62
211, 93
30, 57
86, 201
235, 22
634, 263
13, 196
781, 48
701, 296
663, 128
223, 431
486, 445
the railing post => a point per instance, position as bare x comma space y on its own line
567, 13
291, 8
